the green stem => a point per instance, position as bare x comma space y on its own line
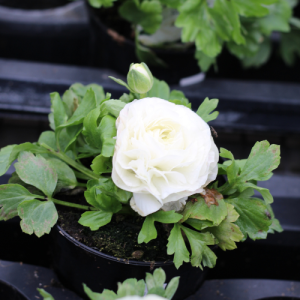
81, 184
143, 96
84, 207
72, 162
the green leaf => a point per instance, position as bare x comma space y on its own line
111, 107
147, 14
48, 138
199, 224
253, 8
15, 179
148, 231
204, 61
10, 153
227, 233
66, 177
277, 19
261, 57
131, 287
107, 186
172, 288
157, 291
200, 210
100, 3
105, 295
160, 89
200, 252
198, 25
176, 246
91, 129
95, 219
11, 195
87, 104
70, 102
253, 218
290, 46
108, 131
45, 295
206, 108
119, 81
59, 114
37, 216
263, 159
178, 98
37, 171
102, 164
159, 277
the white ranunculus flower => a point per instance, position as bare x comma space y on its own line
164, 153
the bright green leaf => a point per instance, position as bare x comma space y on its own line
95, 219
176, 246
160, 89
102, 164
206, 108
45, 295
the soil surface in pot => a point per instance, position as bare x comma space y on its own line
118, 238
33, 4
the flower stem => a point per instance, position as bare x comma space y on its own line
72, 162
143, 96
84, 207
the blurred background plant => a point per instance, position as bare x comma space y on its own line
247, 29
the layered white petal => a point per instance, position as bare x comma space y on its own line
164, 153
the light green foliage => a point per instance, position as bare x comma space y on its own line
87, 104
227, 233
107, 133
134, 287
111, 107
263, 159
205, 110
198, 241
37, 216
178, 98
201, 211
146, 13
66, 178
160, 89
100, 3
45, 295
11, 195
37, 171
10, 153
204, 61
95, 219
201, 253
177, 246
148, 231
102, 164
131, 287
253, 220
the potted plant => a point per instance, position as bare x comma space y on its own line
163, 32
152, 288
135, 184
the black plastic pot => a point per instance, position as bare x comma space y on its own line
9, 292
57, 34
76, 263
118, 54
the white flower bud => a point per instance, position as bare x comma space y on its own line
139, 78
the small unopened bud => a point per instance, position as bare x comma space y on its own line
139, 78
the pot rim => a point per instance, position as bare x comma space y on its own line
107, 256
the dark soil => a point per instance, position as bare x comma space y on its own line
118, 238
33, 4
